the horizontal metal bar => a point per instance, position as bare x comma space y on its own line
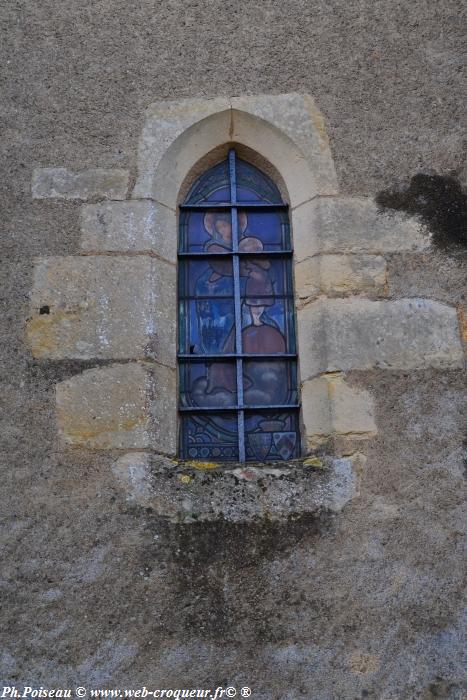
242, 253
226, 205
234, 409
207, 297
240, 356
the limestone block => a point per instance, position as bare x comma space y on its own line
133, 226
356, 333
353, 225
307, 279
331, 407
123, 406
165, 122
300, 140
349, 273
61, 183
103, 307
339, 274
305, 233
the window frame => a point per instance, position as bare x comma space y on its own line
235, 255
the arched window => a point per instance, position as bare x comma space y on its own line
237, 348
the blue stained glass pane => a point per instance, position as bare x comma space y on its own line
272, 436
254, 186
269, 382
207, 231
207, 326
265, 277
208, 384
207, 437
263, 230
213, 186
213, 277
219, 196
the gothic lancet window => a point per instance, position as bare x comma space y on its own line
237, 349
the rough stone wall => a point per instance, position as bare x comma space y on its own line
100, 591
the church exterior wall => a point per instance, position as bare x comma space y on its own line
337, 577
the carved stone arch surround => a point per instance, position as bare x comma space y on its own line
115, 299
283, 134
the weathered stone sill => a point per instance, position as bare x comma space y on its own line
183, 492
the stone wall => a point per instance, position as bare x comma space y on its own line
123, 569
117, 300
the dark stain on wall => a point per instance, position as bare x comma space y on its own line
439, 202
216, 569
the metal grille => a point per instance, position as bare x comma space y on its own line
277, 435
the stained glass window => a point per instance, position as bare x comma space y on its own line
237, 352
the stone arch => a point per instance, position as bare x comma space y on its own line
182, 138
286, 130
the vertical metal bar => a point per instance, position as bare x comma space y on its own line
238, 303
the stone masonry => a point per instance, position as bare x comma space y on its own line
123, 406
338, 576
60, 183
117, 300
136, 226
103, 307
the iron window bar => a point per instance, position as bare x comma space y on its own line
239, 407
225, 297
235, 255
227, 205
235, 356
240, 253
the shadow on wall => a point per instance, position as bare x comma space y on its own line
221, 572
439, 202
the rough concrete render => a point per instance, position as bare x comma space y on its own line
335, 576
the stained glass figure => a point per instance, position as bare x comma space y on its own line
237, 351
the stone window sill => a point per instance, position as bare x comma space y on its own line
191, 492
